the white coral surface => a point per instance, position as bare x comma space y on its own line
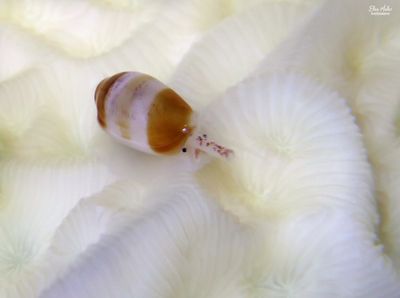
306, 93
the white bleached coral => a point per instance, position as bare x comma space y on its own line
296, 146
306, 94
234, 48
325, 254
35, 199
184, 247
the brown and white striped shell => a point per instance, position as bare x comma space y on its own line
143, 113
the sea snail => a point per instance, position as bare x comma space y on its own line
143, 113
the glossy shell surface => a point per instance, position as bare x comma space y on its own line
143, 113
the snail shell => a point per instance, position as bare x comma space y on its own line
143, 113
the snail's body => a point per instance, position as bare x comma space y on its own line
143, 113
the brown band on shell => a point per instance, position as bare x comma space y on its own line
169, 121
126, 102
100, 96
